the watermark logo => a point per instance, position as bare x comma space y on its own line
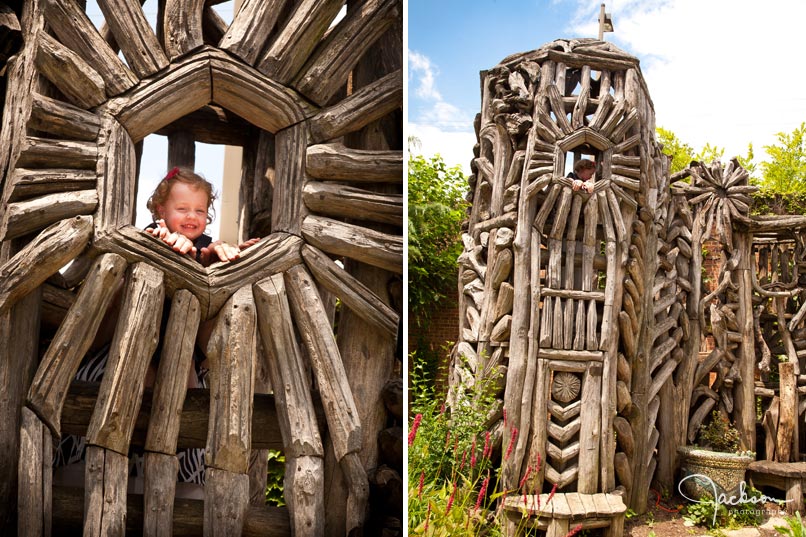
721, 497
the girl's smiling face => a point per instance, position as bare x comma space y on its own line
185, 210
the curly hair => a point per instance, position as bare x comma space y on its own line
584, 164
182, 175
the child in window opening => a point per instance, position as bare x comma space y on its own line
182, 206
583, 175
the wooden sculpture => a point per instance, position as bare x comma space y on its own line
275, 80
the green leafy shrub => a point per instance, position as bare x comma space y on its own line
719, 435
274, 481
794, 526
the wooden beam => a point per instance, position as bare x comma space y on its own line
68, 515
73, 339
27, 183
354, 203
134, 35
54, 153
353, 294
68, 71
250, 29
261, 101
317, 334
297, 39
183, 26
340, 163
45, 255
183, 88
135, 339
230, 354
63, 119
287, 207
117, 170
304, 492
366, 105
366, 245
335, 57
73, 28
212, 125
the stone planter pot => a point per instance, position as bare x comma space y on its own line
723, 472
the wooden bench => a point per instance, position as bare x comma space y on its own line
787, 476
564, 512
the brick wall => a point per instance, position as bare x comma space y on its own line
440, 332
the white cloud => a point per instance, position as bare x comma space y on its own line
724, 72
456, 147
420, 66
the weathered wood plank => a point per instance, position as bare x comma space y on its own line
53, 153
226, 501
133, 344
230, 353
378, 249
297, 39
340, 163
74, 29
105, 480
183, 88
35, 460
353, 294
117, 170
317, 334
212, 125
63, 119
182, 26
46, 254
30, 215
304, 452
287, 206
28, 183
73, 339
366, 105
134, 35
249, 94
159, 489
272, 255
250, 29
68, 515
338, 53
287, 369
68, 71
354, 203
80, 404
175, 364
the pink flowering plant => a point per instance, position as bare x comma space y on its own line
452, 479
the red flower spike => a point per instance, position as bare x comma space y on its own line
414, 426
574, 531
450, 500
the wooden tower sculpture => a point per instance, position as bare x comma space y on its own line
560, 288
317, 110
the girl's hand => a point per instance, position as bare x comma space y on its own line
220, 250
177, 241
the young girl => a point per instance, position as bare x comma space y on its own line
182, 206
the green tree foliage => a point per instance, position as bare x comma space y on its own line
683, 154
785, 172
436, 210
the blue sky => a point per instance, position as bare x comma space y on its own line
718, 71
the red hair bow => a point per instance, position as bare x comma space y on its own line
171, 174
